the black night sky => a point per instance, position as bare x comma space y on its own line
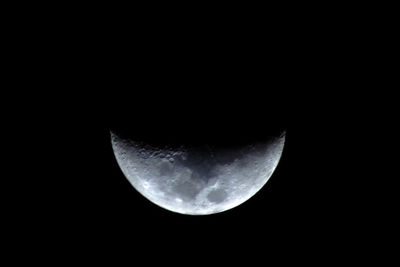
95, 202
203, 96
87, 201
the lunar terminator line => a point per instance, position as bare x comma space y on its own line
197, 180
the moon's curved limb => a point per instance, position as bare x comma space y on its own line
197, 181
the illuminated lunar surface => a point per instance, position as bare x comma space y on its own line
197, 180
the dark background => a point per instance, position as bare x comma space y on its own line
224, 91
88, 201
83, 201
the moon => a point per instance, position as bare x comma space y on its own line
198, 180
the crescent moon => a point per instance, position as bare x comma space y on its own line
197, 180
